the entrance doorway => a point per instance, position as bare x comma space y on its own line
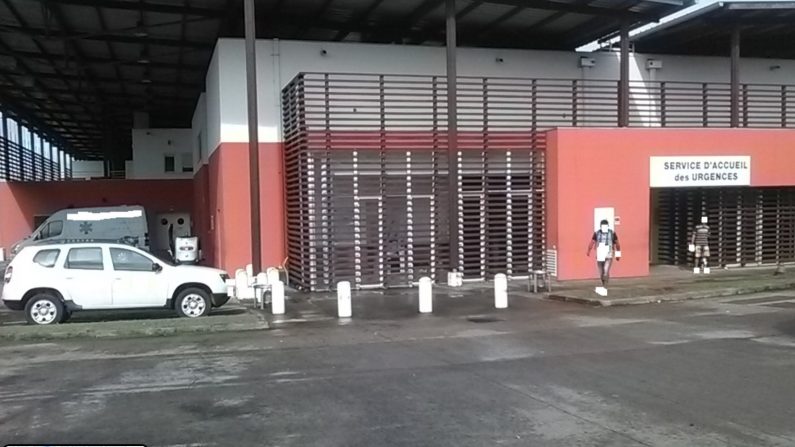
748, 226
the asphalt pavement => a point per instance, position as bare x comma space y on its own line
704, 373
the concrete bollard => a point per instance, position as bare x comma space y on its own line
277, 298
272, 274
500, 291
426, 295
250, 273
243, 289
344, 299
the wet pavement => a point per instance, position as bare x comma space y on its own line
703, 373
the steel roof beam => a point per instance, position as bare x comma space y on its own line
108, 37
617, 13
96, 60
162, 8
426, 33
361, 17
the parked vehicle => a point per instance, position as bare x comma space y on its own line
118, 223
50, 281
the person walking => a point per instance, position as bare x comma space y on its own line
607, 247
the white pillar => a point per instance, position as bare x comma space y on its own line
277, 298
344, 299
500, 291
426, 295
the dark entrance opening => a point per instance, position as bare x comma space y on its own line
749, 226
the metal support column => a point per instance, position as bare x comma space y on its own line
735, 78
53, 164
623, 78
22, 148
253, 134
6, 174
452, 132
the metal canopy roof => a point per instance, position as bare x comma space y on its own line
78, 69
767, 30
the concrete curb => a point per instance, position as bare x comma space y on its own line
131, 329
673, 297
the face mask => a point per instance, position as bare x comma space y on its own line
604, 228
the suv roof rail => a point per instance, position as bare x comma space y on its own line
127, 240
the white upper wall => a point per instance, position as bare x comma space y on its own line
212, 99
280, 61
199, 133
150, 148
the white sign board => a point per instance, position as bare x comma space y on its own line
689, 171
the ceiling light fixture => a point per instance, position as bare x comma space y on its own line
143, 59
139, 30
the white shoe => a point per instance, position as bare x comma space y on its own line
601, 291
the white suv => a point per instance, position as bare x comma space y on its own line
50, 281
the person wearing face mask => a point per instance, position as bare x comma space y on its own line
607, 247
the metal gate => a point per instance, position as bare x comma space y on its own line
749, 226
367, 183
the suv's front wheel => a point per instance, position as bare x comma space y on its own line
193, 302
44, 308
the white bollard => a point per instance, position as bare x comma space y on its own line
344, 299
426, 295
500, 291
250, 273
277, 298
272, 274
243, 288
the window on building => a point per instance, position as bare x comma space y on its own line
187, 162
169, 163
13, 131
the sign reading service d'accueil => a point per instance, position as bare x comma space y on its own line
690, 171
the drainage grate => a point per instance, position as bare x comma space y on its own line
484, 319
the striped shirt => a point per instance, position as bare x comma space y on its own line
701, 236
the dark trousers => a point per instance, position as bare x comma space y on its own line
604, 270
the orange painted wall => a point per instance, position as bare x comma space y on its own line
590, 168
201, 214
19, 202
229, 198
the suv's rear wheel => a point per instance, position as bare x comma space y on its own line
44, 308
193, 302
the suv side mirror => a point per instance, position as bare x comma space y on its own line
157, 268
